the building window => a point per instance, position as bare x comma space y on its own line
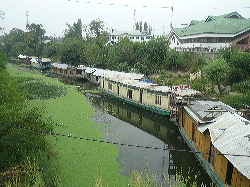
158, 100
137, 38
110, 86
148, 37
142, 38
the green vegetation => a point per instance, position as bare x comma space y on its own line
78, 162
22, 148
36, 89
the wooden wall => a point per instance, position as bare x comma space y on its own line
220, 166
202, 142
239, 180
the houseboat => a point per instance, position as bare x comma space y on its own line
220, 137
134, 90
40, 63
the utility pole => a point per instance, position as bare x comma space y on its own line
1, 14
27, 21
2, 17
134, 20
172, 12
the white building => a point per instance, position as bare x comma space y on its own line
216, 32
134, 35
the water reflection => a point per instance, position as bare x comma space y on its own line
128, 124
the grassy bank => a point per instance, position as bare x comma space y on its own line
79, 162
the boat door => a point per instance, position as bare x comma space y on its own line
141, 93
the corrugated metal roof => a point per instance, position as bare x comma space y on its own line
46, 60
230, 134
132, 33
22, 56
186, 92
202, 107
61, 66
34, 59
110, 74
90, 70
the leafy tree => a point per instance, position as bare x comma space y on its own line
74, 31
17, 49
140, 26
227, 53
239, 63
240, 67
145, 26
3, 61
137, 27
96, 27
52, 50
14, 42
16, 35
96, 52
72, 52
123, 53
34, 38
172, 60
217, 72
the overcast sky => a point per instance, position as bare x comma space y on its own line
117, 14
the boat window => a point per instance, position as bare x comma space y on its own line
129, 94
158, 100
110, 86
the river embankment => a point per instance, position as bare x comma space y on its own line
79, 162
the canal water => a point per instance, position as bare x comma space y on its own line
123, 123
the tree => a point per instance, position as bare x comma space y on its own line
140, 26
96, 27
137, 27
52, 50
72, 52
145, 26
34, 38
3, 61
217, 72
2, 17
16, 35
239, 63
14, 42
74, 31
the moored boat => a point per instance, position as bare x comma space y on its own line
43, 63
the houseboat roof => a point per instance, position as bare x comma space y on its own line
34, 59
109, 73
186, 92
230, 134
60, 66
45, 60
90, 70
137, 83
22, 56
204, 111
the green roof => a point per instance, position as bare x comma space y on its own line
231, 23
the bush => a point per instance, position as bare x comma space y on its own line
241, 87
237, 101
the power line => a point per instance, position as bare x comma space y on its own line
143, 6
123, 144
125, 5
